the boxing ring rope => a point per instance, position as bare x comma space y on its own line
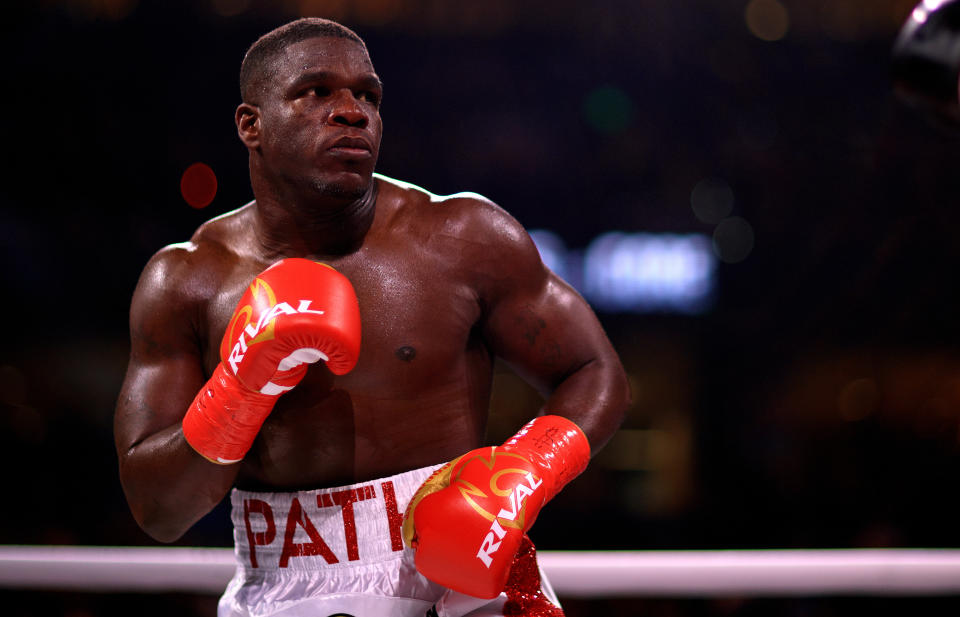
865, 572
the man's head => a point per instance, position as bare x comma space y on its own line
256, 67
310, 114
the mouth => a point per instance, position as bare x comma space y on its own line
350, 147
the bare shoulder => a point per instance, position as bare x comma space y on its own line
466, 216
488, 245
180, 276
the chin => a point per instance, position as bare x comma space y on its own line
345, 186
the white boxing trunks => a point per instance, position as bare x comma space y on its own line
339, 553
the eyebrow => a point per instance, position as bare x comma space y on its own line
369, 80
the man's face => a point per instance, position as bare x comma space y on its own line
320, 120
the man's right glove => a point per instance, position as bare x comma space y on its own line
295, 313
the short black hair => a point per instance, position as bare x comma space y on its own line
264, 49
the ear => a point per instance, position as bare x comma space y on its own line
247, 119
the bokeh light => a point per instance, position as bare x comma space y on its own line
608, 109
198, 185
114, 10
711, 200
230, 8
767, 20
635, 272
643, 272
733, 239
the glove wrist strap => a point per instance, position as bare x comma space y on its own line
225, 417
556, 446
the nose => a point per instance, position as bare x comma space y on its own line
347, 111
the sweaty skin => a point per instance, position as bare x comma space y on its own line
445, 285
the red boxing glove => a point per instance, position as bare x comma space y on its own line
467, 520
295, 313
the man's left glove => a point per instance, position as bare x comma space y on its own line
467, 520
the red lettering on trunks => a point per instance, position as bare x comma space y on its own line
394, 516
316, 546
260, 538
345, 499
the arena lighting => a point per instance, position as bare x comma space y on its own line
636, 272
923, 10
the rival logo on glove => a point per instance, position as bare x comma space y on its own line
491, 542
263, 331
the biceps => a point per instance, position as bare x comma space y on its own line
548, 335
155, 395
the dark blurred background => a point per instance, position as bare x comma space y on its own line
814, 402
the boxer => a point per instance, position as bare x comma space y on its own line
324, 356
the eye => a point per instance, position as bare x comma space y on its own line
317, 91
371, 97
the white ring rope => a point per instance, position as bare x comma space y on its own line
572, 574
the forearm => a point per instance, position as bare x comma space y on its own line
169, 487
595, 397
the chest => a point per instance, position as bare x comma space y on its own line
418, 314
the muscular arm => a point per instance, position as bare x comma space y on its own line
544, 330
548, 333
168, 485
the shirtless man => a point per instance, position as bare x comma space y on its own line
353, 454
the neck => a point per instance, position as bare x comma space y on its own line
325, 225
